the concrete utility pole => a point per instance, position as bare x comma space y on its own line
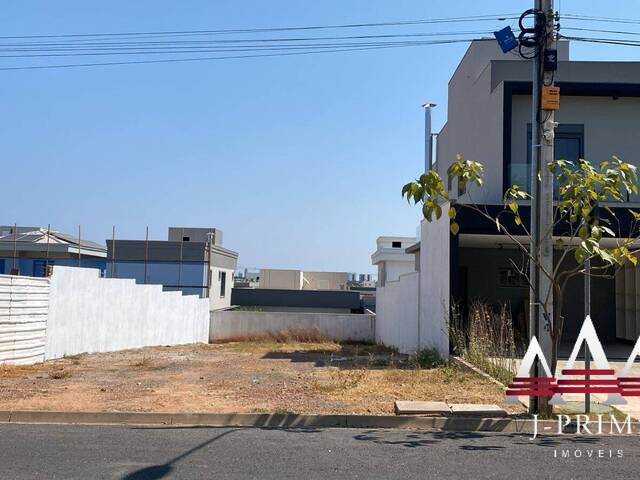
547, 125
542, 143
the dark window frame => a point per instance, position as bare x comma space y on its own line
222, 277
566, 131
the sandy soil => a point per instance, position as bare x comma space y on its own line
237, 377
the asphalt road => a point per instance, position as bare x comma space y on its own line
131, 452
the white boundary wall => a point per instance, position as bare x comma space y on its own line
23, 319
413, 312
230, 324
397, 313
92, 314
434, 283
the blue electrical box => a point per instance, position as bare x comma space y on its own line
506, 39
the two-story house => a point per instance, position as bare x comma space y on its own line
489, 120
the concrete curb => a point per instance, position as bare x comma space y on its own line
281, 420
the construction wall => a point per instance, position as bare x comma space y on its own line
434, 284
23, 319
88, 313
397, 313
229, 324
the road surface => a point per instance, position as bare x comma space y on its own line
149, 452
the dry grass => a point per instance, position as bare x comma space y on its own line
145, 361
486, 339
262, 375
76, 359
283, 336
59, 374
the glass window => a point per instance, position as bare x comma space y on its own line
223, 283
568, 145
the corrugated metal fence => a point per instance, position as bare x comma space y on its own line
24, 306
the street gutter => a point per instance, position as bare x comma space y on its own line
283, 420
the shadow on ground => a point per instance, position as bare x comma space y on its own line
416, 439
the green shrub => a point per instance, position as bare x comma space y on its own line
429, 358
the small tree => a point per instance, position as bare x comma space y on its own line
582, 190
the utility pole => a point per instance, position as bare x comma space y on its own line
534, 274
542, 152
547, 126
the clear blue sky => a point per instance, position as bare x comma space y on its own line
299, 160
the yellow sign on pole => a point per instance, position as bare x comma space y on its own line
550, 98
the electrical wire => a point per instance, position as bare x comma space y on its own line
586, 18
229, 57
178, 45
596, 30
609, 41
251, 48
476, 18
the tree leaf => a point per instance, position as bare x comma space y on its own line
454, 227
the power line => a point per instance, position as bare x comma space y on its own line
88, 45
229, 57
609, 41
587, 18
597, 30
476, 18
248, 48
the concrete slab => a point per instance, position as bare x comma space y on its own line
477, 410
408, 407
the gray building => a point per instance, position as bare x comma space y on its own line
489, 120
192, 261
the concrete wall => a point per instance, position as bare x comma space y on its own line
434, 284
317, 299
23, 319
393, 269
92, 314
284, 279
413, 312
220, 298
324, 280
176, 234
229, 324
474, 121
397, 313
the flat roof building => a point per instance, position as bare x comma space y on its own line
192, 261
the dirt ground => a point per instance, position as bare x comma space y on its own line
259, 376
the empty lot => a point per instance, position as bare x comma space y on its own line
258, 376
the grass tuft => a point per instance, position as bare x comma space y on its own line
59, 374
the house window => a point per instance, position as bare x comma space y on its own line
186, 239
568, 145
510, 277
396, 244
222, 277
